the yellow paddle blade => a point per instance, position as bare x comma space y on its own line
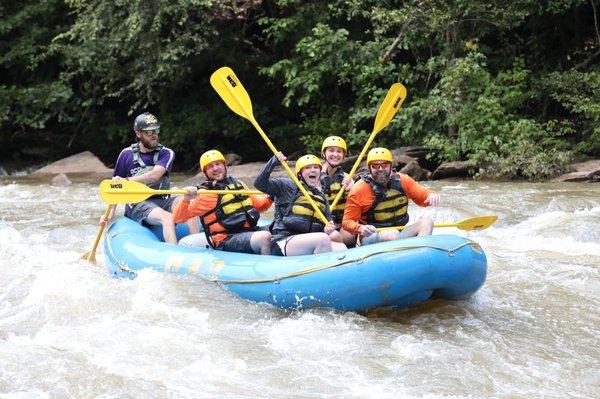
392, 102
231, 90
388, 108
229, 87
477, 223
129, 192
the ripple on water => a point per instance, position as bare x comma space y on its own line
68, 329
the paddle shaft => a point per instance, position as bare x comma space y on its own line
246, 111
474, 223
404, 227
388, 108
183, 192
91, 256
354, 167
291, 174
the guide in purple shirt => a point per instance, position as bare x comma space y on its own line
149, 162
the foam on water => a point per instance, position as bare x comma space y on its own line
68, 329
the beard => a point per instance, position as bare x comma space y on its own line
381, 176
149, 142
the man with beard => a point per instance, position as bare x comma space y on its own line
380, 199
229, 220
149, 162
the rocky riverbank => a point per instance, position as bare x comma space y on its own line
409, 160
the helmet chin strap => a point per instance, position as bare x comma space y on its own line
301, 178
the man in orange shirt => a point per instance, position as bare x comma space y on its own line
229, 220
380, 199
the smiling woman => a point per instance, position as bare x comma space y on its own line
297, 229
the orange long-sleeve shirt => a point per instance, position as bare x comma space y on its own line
361, 197
206, 202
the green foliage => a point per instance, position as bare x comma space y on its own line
512, 87
579, 94
133, 51
457, 104
490, 131
332, 122
32, 94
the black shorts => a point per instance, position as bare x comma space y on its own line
276, 246
239, 242
140, 211
276, 249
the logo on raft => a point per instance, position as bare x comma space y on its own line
118, 185
231, 81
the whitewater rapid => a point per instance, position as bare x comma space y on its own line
68, 329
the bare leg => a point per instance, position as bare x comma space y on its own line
347, 238
337, 243
261, 242
426, 226
338, 246
388, 235
193, 223
335, 236
423, 227
163, 218
309, 243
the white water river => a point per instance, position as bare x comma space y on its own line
69, 330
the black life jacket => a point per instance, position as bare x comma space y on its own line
391, 203
300, 217
234, 213
331, 187
163, 183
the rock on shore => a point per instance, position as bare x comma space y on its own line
82, 165
86, 165
245, 172
582, 171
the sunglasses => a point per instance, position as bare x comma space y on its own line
151, 133
379, 165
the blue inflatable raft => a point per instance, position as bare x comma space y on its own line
392, 274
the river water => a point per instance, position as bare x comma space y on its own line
68, 329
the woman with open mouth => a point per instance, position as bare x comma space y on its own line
296, 229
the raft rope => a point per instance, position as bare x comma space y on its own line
312, 269
329, 266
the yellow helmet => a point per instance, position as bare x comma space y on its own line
379, 154
211, 156
334, 141
306, 160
